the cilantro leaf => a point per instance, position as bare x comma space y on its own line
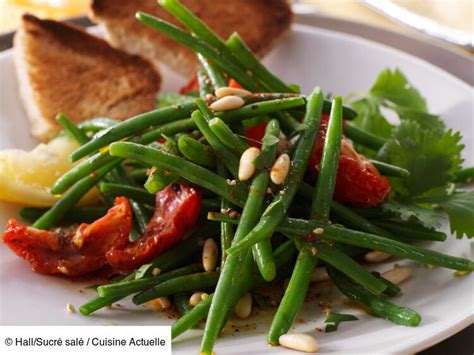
431, 156
394, 87
411, 212
334, 319
460, 209
369, 118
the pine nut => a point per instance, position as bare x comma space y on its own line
300, 342
243, 308
318, 230
319, 274
280, 169
246, 165
156, 271
195, 298
160, 303
227, 91
398, 274
70, 308
227, 103
204, 296
209, 255
376, 257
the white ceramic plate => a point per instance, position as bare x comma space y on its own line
340, 64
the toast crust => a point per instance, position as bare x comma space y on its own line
260, 22
61, 68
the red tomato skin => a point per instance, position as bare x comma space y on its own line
234, 84
176, 211
71, 253
255, 134
191, 86
354, 185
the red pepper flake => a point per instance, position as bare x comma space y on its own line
94, 174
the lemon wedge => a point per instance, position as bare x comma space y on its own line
27, 176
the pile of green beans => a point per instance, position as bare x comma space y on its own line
267, 232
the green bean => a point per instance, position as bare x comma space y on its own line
227, 230
237, 267
204, 87
211, 204
392, 290
378, 306
74, 215
299, 282
464, 175
134, 125
184, 168
409, 231
128, 287
181, 303
389, 169
100, 302
199, 281
70, 198
191, 318
299, 227
158, 180
276, 210
349, 267
214, 74
322, 198
73, 130
196, 152
139, 175
229, 159
198, 46
227, 137
362, 137
97, 124
248, 60
135, 193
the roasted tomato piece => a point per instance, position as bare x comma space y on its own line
72, 253
255, 134
176, 211
234, 84
191, 86
358, 182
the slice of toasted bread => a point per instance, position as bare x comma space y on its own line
61, 68
259, 22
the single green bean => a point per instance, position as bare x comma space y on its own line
227, 230
196, 152
134, 125
97, 124
181, 303
128, 287
136, 193
75, 131
70, 198
362, 137
227, 137
74, 215
192, 318
214, 74
414, 232
378, 306
199, 281
204, 87
139, 175
389, 169
392, 290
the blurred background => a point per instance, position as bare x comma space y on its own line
449, 21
